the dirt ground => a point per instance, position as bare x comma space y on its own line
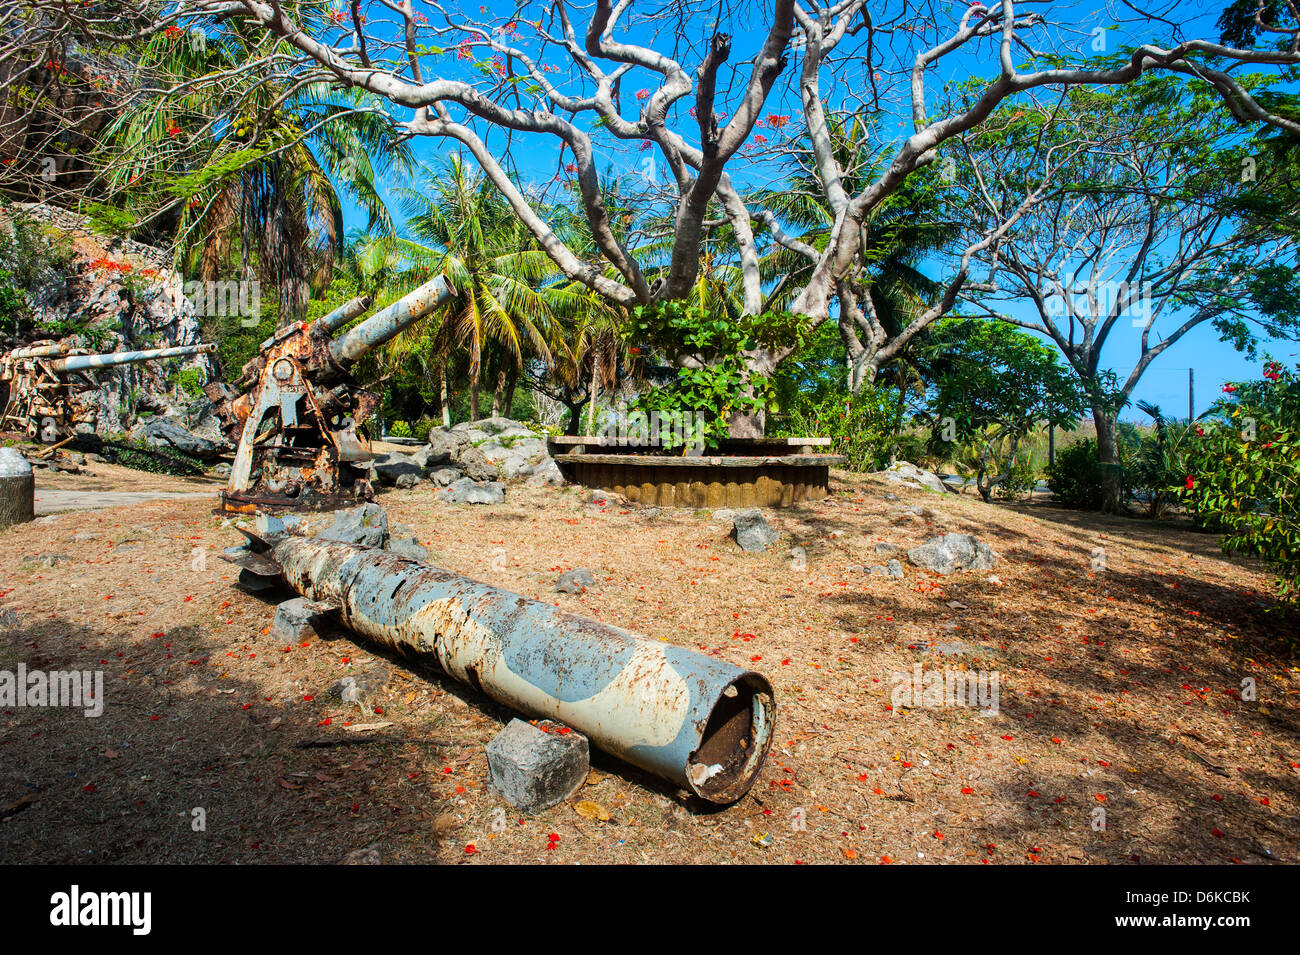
1121, 647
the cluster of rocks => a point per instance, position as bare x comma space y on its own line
139, 302
163, 432
909, 475
368, 525
892, 567
472, 461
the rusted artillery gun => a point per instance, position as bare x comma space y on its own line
39, 384
295, 410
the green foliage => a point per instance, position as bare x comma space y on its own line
1244, 473
141, 457
1075, 477
237, 340
813, 373
191, 381
29, 252
1160, 463
400, 429
865, 428
1020, 475
420, 429
987, 374
990, 386
714, 339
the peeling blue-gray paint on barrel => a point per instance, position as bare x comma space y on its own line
538, 658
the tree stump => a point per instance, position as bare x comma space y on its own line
17, 488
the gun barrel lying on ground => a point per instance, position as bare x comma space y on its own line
697, 721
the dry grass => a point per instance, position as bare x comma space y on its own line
1118, 692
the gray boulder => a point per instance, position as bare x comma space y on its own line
517, 465
297, 618
467, 491
476, 465
157, 432
444, 446
909, 475
367, 525
444, 476
407, 546
492, 426
546, 473
575, 581
534, 769
949, 553
430, 456
751, 531
389, 467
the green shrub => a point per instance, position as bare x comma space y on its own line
1159, 464
420, 429
716, 339
191, 381
30, 251
141, 457
1244, 473
866, 428
1075, 477
399, 429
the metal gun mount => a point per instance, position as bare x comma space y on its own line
295, 410
37, 384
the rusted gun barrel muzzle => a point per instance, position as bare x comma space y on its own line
329, 324
41, 351
388, 322
86, 362
699, 722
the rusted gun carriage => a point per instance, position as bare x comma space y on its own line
39, 384
295, 411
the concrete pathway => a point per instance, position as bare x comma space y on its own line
54, 501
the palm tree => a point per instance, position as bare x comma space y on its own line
510, 301
237, 169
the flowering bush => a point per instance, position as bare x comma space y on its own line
1245, 473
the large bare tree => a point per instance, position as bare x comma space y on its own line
611, 75
1180, 219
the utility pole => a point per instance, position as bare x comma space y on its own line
1191, 397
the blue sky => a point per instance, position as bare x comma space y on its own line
1165, 382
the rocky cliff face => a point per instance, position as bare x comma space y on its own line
125, 296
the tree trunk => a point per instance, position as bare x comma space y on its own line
442, 397
512, 379
595, 390
473, 396
748, 425
1108, 454
498, 393
574, 426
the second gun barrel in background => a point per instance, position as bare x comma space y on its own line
389, 321
85, 362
